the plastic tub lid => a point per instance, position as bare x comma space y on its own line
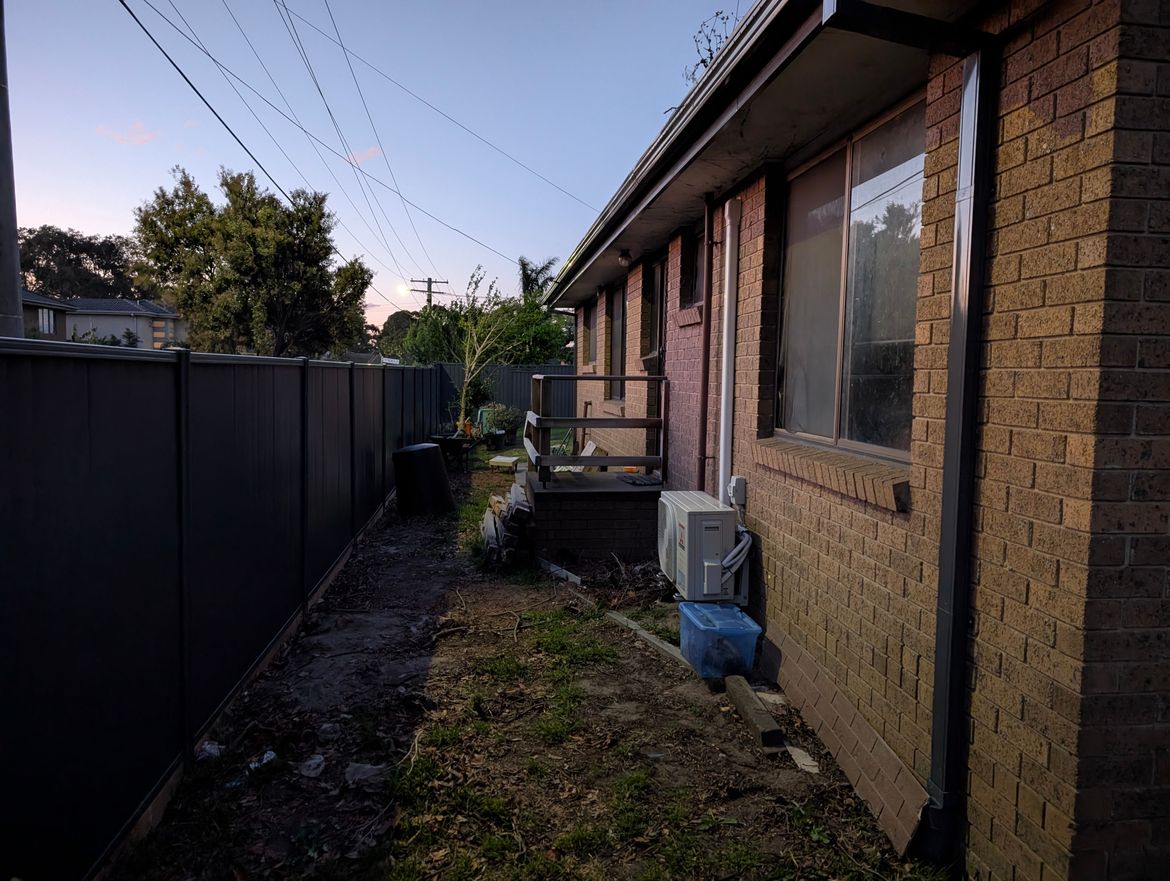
720, 617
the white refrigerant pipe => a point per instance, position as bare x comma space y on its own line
731, 214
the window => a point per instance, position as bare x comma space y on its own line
591, 332
653, 296
46, 321
691, 287
615, 303
849, 287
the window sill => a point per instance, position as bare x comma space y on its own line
689, 315
882, 484
589, 368
613, 407
647, 359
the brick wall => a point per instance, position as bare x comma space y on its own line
1069, 775
1123, 798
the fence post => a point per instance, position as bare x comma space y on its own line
384, 413
352, 453
182, 456
305, 586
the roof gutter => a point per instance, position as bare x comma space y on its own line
770, 35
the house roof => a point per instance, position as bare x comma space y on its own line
113, 306
785, 86
43, 302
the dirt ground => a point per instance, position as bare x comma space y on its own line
435, 721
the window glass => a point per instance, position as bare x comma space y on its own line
692, 270
655, 293
591, 332
617, 339
812, 294
885, 211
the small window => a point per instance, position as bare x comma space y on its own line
590, 347
46, 321
850, 287
691, 287
653, 296
615, 303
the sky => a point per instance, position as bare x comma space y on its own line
575, 90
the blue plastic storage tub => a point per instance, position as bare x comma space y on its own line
718, 639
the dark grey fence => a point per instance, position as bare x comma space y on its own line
164, 517
511, 385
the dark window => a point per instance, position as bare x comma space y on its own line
653, 296
691, 286
616, 311
849, 288
591, 332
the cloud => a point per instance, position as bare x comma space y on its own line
137, 134
364, 155
190, 123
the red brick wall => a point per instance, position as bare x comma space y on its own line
1070, 651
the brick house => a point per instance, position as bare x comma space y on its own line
942, 237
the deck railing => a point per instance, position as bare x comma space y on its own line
540, 425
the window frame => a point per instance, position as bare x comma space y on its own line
589, 325
651, 339
836, 442
46, 320
615, 293
692, 255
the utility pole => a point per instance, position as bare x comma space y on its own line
11, 318
428, 281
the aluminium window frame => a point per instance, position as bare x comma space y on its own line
836, 442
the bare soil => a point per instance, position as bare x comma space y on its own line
493, 725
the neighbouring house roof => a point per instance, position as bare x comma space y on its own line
43, 302
111, 306
784, 87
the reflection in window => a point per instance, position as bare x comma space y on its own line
856, 391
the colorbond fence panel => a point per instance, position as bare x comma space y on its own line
509, 384
89, 562
162, 516
329, 455
245, 561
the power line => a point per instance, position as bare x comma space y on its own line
365, 190
230, 130
441, 113
267, 131
429, 290
318, 140
377, 136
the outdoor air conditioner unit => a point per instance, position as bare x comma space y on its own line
695, 535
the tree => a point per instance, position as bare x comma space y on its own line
65, 263
709, 39
253, 273
536, 277
391, 340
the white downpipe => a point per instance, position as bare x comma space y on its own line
731, 214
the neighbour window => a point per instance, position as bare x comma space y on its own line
591, 332
691, 288
616, 312
849, 290
46, 321
653, 296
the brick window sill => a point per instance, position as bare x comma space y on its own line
589, 368
613, 407
880, 483
689, 315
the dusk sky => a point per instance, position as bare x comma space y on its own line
576, 90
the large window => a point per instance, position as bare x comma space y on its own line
653, 297
615, 303
591, 332
690, 287
849, 289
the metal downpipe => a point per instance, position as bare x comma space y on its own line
942, 832
732, 211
